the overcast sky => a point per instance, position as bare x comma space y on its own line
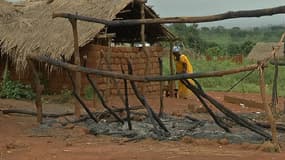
173, 8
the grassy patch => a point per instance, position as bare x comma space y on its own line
249, 85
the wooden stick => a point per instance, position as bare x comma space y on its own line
171, 83
145, 50
267, 109
211, 18
147, 78
141, 98
238, 82
77, 75
127, 101
274, 98
79, 99
161, 108
95, 88
38, 90
115, 82
17, 111
226, 111
216, 118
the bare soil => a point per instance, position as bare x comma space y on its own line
22, 138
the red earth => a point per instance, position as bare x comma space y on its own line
17, 140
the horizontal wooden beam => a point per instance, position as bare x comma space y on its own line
210, 18
147, 78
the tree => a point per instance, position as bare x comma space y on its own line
246, 47
234, 49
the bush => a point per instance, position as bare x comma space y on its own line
15, 90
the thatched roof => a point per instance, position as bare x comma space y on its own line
7, 10
263, 49
34, 32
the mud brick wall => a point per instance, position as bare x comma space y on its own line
56, 79
117, 56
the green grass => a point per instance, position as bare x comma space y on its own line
249, 85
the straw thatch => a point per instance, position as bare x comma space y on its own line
7, 10
34, 32
263, 50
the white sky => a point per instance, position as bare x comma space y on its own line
173, 8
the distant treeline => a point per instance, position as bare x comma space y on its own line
224, 41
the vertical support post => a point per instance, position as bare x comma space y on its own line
77, 75
171, 83
108, 58
274, 99
142, 33
268, 109
161, 109
38, 89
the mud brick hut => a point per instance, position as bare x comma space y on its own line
27, 29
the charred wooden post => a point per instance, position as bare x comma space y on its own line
152, 115
227, 112
108, 59
142, 33
95, 88
216, 118
171, 83
77, 75
115, 82
79, 99
38, 89
161, 108
268, 109
127, 101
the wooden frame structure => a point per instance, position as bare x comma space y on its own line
260, 66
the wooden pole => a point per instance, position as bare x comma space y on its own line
108, 58
161, 108
147, 78
77, 75
127, 101
171, 66
38, 89
274, 98
268, 109
142, 33
211, 18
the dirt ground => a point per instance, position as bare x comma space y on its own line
18, 141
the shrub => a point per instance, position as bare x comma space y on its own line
14, 89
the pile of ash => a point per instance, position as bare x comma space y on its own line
178, 128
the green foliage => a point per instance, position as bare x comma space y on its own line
215, 51
246, 47
234, 49
231, 41
88, 92
65, 96
15, 89
249, 85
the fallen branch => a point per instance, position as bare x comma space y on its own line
228, 112
31, 113
279, 127
216, 118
